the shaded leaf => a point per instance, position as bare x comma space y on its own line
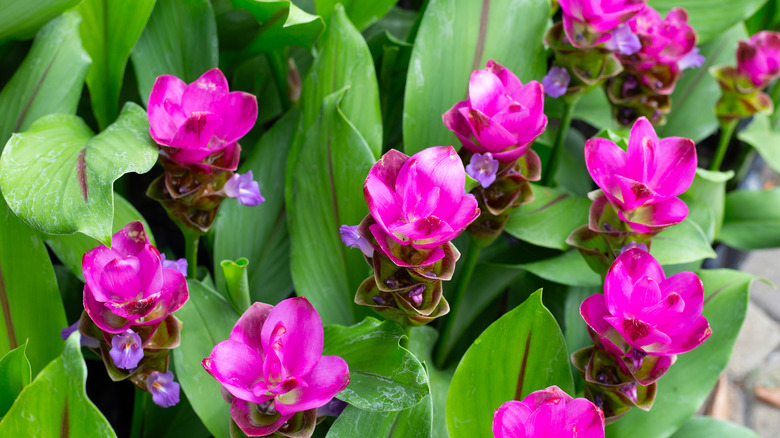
549, 219
682, 243
21, 20
282, 24
361, 13
414, 422
15, 374
706, 200
421, 343
764, 138
568, 268
752, 219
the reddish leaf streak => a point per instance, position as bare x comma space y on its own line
81, 168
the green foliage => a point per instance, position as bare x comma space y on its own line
15, 374
751, 219
414, 422
21, 20
711, 19
549, 219
708, 427
361, 13
281, 24
763, 135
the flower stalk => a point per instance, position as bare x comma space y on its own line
560, 137
728, 127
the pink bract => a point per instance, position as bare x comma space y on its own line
126, 285
643, 183
758, 58
419, 201
589, 22
501, 115
548, 413
274, 358
199, 119
646, 311
664, 41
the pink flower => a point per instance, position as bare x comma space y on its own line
642, 183
665, 41
126, 284
644, 313
589, 22
758, 58
196, 120
273, 360
419, 201
548, 413
501, 115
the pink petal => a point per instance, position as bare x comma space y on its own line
249, 326
491, 136
637, 333
236, 367
645, 293
426, 233
297, 326
509, 420
239, 117
508, 79
536, 399
120, 277
102, 316
659, 215
241, 413
682, 342
549, 420
134, 309
454, 120
441, 167
173, 295
586, 417
642, 144
383, 239
208, 93
418, 196
604, 159
624, 273
464, 213
674, 167
486, 92
131, 239
166, 88
690, 288
195, 134
92, 265
593, 310
635, 194
329, 377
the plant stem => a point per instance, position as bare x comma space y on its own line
560, 137
191, 240
726, 133
470, 262
139, 406
776, 94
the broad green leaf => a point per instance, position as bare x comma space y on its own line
383, 375
31, 305
15, 374
706, 200
568, 268
282, 24
56, 403
361, 13
572, 173
711, 19
549, 219
593, 108
421, 343
70, 249
689, 381
344, 61
22, 19
50, 78
58, 178
414, 422
109, 30
575, 330
752, 219
180, 39
764, 138
208, 319
324, 191
522, 352
708, 427
697, 92
457, 37
682, 243
260, 233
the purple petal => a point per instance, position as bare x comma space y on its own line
329, 377
296, 325
556, 82
245, 189
483, 168
126, 350
692, 60
333, 408
623, 41
353, 239
165, 392
179, 265
86, 341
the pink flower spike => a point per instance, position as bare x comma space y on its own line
501, 115
758, 59
126, 350
669, 41
179, 265
245, 189
556, 82
588, 22
351, 238
548, 413
483, 168
165, 392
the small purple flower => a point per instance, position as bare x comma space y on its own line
483, 168
624, 41
245, 188
692, 60
556, 82
126, 350
179, 265
631, 245
86, 341
165, 392
333, 408
351, 238
416, 294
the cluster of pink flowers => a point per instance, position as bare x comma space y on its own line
758, 59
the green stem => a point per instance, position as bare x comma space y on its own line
776, 94
726, 133
139, 407
191, 240
443, 347
560, 137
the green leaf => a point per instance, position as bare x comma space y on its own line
50, 78
711, 19
180, 39
172, 422
706, 200
414, 422
58, 178
697, 92
31, 304
568, 268
421, 343
282, 24
764, 138
383, 375
109, 31
361, 13
549, 219
324, 191
21, 20
689, 381
70, 249
344, 62
15, 374
268, 249
522, 352
457, 37
708, 427
751, 219
682, 243
56, 403
208, 319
